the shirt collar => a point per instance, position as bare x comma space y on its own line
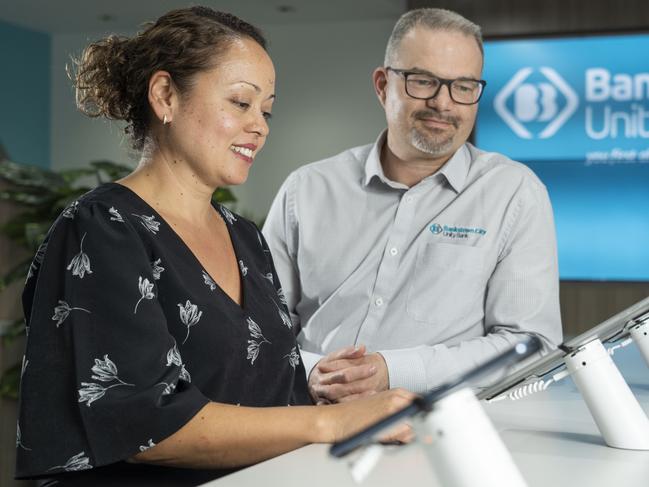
455, 170
373, 165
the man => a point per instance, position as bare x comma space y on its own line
433, 254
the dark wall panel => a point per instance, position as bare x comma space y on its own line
507, 17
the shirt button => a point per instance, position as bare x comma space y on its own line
378, 301
408, 199
394, 251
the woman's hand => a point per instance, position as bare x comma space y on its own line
340, 421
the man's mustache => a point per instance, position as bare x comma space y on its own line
435, 115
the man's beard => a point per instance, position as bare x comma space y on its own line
432, 142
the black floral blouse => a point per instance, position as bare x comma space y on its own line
129, 337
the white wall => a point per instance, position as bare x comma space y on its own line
325, 103
325, 100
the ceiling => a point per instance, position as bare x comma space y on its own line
497, 17
67, 16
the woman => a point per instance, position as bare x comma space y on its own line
158, 333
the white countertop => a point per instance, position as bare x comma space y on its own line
551, 436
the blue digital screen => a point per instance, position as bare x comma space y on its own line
576, 110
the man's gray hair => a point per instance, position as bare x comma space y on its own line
433, 19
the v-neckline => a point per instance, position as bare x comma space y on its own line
242, 281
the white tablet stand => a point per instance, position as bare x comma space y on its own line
640, 335
463, 446
616, 411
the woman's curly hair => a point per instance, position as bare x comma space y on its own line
112, 75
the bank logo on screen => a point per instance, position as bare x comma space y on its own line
536, 108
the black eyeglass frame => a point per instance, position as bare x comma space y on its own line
442, 81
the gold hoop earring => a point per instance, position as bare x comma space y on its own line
165, 120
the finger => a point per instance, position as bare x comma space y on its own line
335, 392
410, 436
327, 394
347, 352
404, 394
353, 397
359, 351
402, 433
338, 364
347, 375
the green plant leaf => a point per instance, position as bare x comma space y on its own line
15, 228
35, 233
71, 175
15, 329
223, 195
17, 272
25, 175
24, 196
10, 382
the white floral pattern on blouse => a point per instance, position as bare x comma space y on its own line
71, 210
80, 263
157, 269
115, 215
189, 316
75, 463
24, 366
62, 311
19, 443
149, 222
150, 444
38, 260
261, 244
282, 296
174, 358
254, 345
169, 388
146, 291
244, 269
209, 281
284, 316
104, 371
293, 357
227, 214
269, 277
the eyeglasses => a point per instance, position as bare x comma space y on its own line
422, 86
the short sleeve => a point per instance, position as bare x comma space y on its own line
104, 378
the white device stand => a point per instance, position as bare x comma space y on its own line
463, 447
640, 335
616, 411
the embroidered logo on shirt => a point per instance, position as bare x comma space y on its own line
455, 231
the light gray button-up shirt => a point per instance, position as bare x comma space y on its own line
437, 277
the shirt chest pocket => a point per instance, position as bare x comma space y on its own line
448, 284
